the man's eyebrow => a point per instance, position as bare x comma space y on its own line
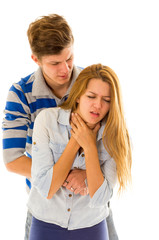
96, 94
60, 62
54, 62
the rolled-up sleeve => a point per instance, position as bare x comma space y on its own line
105, 191
42, 157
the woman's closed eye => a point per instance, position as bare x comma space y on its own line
91, 96
107, 100
104, 99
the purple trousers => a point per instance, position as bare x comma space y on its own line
41, 230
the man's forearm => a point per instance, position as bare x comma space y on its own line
21, 165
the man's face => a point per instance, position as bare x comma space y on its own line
57, 69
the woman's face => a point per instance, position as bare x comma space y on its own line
94, 104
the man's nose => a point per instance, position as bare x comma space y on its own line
64, 67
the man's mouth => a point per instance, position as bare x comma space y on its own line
64, 76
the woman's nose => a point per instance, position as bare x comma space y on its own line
98, 103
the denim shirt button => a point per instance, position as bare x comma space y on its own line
82, 155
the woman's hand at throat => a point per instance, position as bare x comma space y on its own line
82, 132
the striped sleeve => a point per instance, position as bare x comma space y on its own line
15, 124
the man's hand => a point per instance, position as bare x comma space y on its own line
75, 182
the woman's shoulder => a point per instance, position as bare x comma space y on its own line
47, 114
49, 111
53, 114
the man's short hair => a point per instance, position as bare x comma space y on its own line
49, 35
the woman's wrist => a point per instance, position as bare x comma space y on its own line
74, 143
90, 148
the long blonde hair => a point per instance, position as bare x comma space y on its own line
115, 135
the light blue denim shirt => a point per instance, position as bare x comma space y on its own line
50, 137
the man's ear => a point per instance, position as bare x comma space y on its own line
35, 59
77, 100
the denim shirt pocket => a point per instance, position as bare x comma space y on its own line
57, 150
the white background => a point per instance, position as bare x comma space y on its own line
125, 36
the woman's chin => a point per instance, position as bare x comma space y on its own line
91, 125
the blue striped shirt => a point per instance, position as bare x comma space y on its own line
25, 100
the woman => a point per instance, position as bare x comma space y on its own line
87, 131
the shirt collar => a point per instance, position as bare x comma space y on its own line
64, 119
40, 87
64, 116
100, 132
75, 74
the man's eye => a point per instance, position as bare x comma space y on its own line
70, 58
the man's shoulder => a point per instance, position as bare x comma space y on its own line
76, 72
26, 79
78, 69
26, 83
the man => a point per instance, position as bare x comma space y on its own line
51, 43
